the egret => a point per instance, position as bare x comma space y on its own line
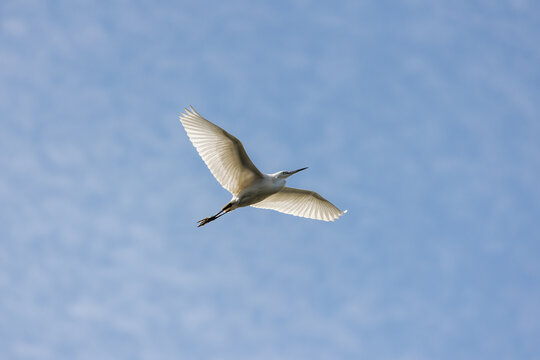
228, 161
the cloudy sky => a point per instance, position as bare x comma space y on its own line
421, 118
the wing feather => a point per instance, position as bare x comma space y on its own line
302, 203
224, 154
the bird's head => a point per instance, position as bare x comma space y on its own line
286, 174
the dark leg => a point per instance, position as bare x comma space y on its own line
214, 217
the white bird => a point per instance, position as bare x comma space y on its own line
228, 161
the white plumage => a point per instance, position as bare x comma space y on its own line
302, 203
228, 161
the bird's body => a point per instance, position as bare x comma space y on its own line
228, 161
259, 190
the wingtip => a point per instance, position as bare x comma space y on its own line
193, 111
187, 112
340, 215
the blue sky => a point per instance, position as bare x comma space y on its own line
421, 118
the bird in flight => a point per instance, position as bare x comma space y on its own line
228, 161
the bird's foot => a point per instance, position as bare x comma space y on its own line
206, 221
211, 218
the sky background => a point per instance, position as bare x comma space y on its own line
422, 118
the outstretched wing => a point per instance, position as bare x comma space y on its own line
302, 203
224, 154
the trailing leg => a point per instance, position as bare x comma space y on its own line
223, 211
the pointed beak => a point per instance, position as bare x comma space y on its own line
295, 171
